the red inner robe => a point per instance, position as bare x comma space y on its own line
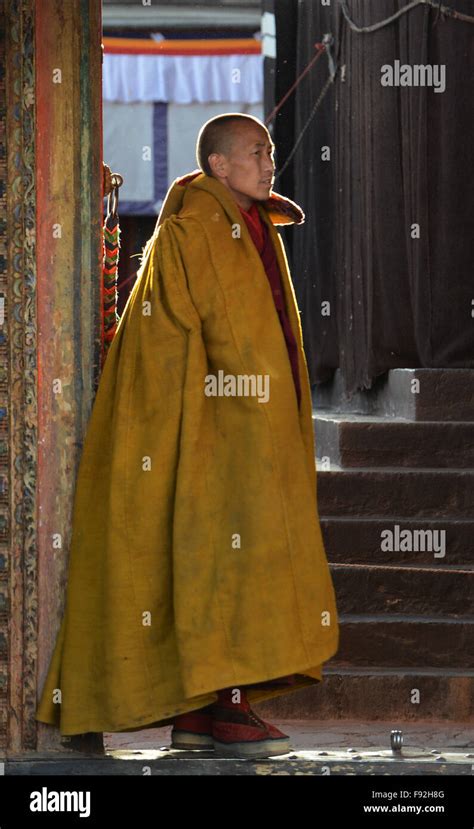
261, 238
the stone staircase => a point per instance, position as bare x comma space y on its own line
398, 457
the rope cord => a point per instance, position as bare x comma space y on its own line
321, 47
311, 116
435, 4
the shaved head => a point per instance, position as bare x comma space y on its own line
218, 134
237, 150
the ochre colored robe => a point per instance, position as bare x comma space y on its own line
196, 560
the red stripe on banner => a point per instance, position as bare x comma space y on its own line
189, 53
224, 46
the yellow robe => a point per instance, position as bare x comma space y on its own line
196, 561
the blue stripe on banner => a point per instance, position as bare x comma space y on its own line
160, 149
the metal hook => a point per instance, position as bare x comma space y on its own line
113, 198
328, 41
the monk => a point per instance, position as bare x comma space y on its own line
198, 581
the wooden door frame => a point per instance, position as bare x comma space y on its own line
50, 278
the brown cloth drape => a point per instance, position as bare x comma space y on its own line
399, 156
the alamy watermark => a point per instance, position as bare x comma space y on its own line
414, 541
417, 75
49, 800
238, 385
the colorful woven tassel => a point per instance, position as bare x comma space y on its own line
111, 247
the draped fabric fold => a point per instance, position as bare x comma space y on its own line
197, 561
383, 265
183, 79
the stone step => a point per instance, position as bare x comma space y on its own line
443, 394
372, 441
371, 694
350, 540
413, 641
409, 492
407, 590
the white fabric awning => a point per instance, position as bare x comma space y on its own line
183, 79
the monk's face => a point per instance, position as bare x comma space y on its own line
248, 168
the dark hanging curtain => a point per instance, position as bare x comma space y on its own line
399, 157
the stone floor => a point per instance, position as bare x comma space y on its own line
313, 735
335, 747
339, 747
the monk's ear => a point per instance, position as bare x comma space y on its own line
218, 164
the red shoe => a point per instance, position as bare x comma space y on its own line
239, 732
193, 729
